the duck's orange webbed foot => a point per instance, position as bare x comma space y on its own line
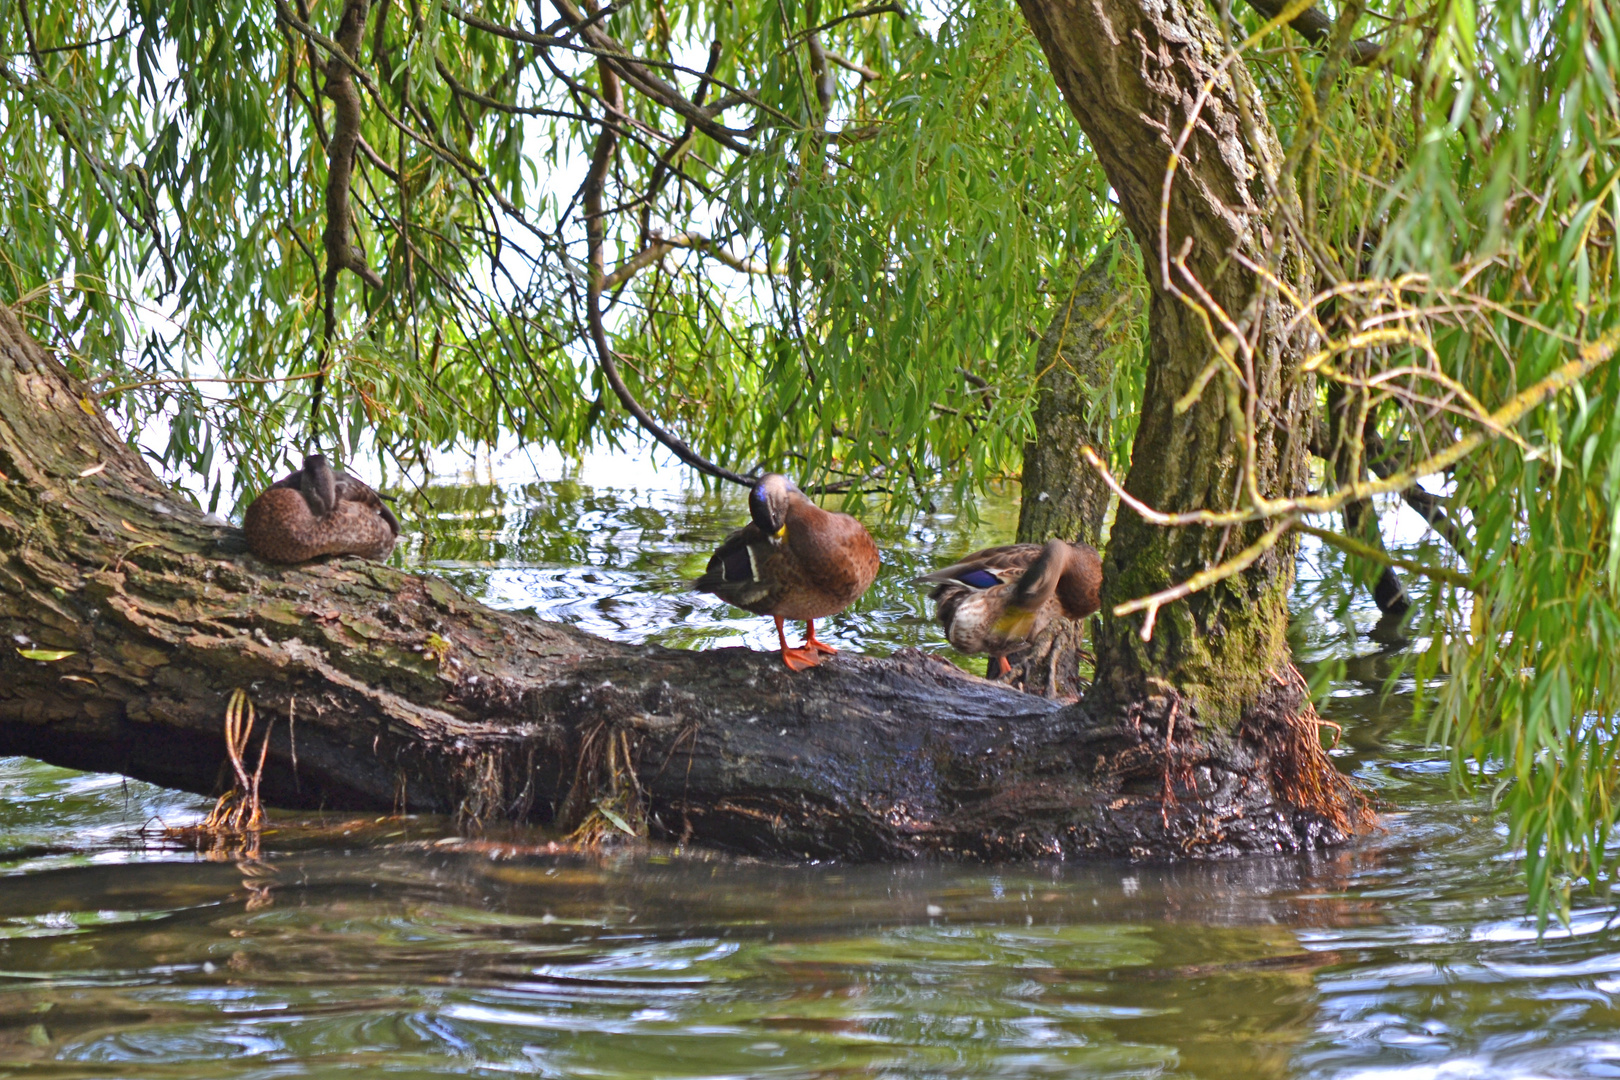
810, 641
999, 666
797, 659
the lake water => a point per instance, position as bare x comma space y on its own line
386, 947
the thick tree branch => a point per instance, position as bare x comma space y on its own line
1317, 28
341, 253
131, 622
469, 171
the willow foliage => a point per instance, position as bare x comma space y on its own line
853, 292
1461, 198
1534, 653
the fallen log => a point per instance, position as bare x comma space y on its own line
130, 618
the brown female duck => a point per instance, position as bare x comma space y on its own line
996, 600
319, 511
793, 561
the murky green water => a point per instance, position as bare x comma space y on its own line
369, 948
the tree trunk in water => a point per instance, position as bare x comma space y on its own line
131, 620
1216, 666
1349, 423
1062, 495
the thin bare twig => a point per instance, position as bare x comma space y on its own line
1379, 555
1592, 355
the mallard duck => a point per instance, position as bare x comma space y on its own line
996, 600
319, 511
793, 561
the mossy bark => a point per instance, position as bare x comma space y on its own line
1132, 74
130, 621
1062, 496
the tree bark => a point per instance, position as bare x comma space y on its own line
1134, 74
1062, 495
130, 619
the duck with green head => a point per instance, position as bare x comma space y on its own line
997, 600
318, 510
794, 560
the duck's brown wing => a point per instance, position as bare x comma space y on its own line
740, 571
355, 529
987, 568
349, 489
834, 558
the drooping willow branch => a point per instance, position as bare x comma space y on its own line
595, 183
145, 202
341, 253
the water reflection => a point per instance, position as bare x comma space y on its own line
618, 561
389, 946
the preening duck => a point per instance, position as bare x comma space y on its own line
317, 511
996, 600
794, 560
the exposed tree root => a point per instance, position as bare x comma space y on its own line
1302, 773
240, 809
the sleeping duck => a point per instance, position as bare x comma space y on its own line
317, 511
997, 600
793, 561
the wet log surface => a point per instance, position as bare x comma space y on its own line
388, 690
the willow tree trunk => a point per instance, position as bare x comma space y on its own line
130, 620
1135, 74
1062, 495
